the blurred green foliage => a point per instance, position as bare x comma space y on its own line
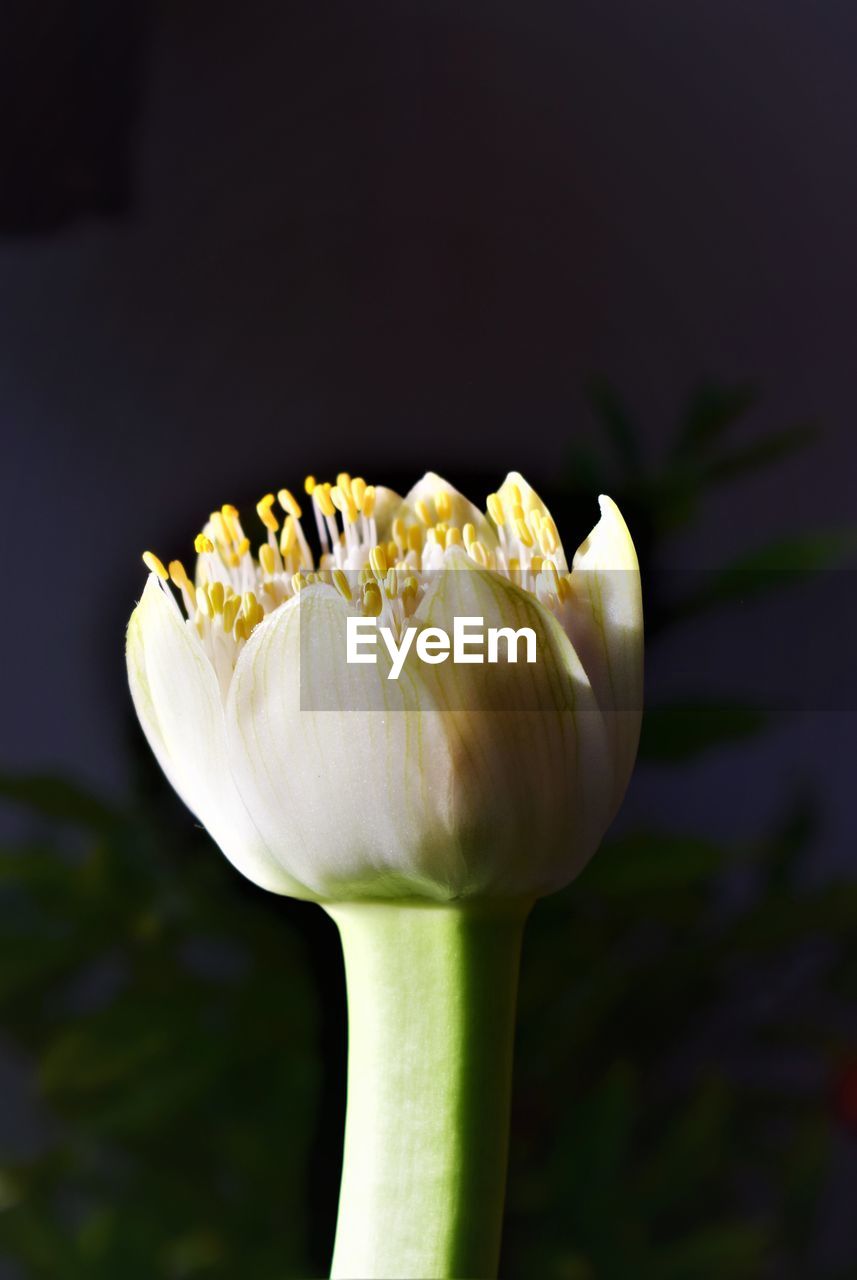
170, 1017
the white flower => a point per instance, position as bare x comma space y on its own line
333, 782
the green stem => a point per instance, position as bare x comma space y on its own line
431, 1009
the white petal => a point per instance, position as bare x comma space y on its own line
348, 782
532, 775
530, 501
179, 705
462, 510
606, 628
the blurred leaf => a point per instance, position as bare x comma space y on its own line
761, 453
652, 860
681, 730
781, 564
712, 409
60, 799
736, 1250
614, 417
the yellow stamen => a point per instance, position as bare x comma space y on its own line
216, 595
178, 574
309, 485
443, 505
202, 544
230, 612
151, 561
266, 515
469, 534
288, 502
341, 583
523, 531
378, 561
421, 508
415, 538
453, 537
478, 553
369, 501
289, 536
371, 600
358, 491
321, 493
267, 559
495, 508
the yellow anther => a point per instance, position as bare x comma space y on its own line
178, 574
549, 567
515, 494
202, 544
548, 535
410, 586
524, 533
440, 530
453, 537
536, 564
248, 603
231, 609
565, 588
378, 561
309, 485
242, 548
400, 533
298, 582
203, 603
369, 501
478, 553
221, 530
392, 552
432, 537
342, 501
372, 600
514, 564
495, 508
391, 584
321, 493
342, 584
415, 538
288, 502
343, 480
229, 519
267, 559
518, 512
289, 536
216, 595
443, 505
266, 515
421, 508
469, 533
358, 491
151, 561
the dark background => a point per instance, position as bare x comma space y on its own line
241, 242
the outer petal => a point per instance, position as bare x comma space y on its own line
530, 501
462, 510
387, 504
347, 773
605, 622
531, 777
179, 705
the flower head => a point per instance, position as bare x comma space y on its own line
455, 780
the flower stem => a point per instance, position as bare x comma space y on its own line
431, 1008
